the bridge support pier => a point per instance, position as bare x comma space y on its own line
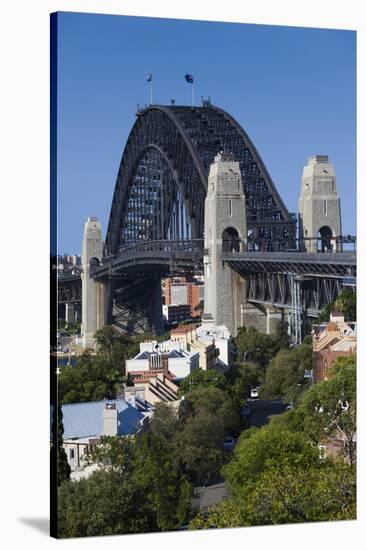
274, 317
225, 230
252, 316
264, 320
93, 292
70, 313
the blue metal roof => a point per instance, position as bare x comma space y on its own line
176, 354
143, 355
86, 419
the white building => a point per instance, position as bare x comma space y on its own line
220, 337
168, 356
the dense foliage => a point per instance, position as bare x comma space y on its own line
202, 378
346, 303
285, 373
259, 348
58, 453
328, 409
100, 375
289, 494
138, 490
196, 435
276, 474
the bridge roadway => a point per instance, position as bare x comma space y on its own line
164, 257
339, 264
271, 276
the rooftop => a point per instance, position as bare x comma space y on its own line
86, 419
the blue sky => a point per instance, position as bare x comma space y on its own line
292, 89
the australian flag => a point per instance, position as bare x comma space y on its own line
149, 78
189, 78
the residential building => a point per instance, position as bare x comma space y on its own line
85, 423
156, 386
187, 336
179, 291
166, 356
221, 338
331, 340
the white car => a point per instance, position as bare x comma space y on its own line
254, 393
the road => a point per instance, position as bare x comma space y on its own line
210, 495
261, 412
263, 409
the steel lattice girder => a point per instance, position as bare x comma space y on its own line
69, 290
340, 264
166, 162
315, 294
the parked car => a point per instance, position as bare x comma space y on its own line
254, 393
229, 443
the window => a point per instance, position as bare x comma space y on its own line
230, 207
325, 207
72, 454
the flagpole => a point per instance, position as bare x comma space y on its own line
151, 93
192, 94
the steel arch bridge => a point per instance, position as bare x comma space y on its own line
156, 221
162, 180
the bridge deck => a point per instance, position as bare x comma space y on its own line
340, 264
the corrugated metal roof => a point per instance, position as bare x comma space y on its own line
86, 419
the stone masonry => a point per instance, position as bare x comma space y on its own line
225, 214
319, 205
93, 292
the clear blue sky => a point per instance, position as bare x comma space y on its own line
292, 89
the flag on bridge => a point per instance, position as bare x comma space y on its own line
189, 78
149, 78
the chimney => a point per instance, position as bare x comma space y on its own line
110, 421
165, 362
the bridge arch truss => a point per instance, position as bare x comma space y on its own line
162, 180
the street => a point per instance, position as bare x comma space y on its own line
263, 409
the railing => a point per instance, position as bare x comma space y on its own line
156, 251
322, 244
192, 245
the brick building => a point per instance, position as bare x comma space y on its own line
180, 291
330, 341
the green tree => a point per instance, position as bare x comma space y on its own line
202, 378
285, 373
108, 502
292, 494
345, 303
167, 491
241, 378
165, 423
259, 449
289, 493
329, 408
92, 379
259, 348
150, 462
58, 454
207, 416
226, 513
